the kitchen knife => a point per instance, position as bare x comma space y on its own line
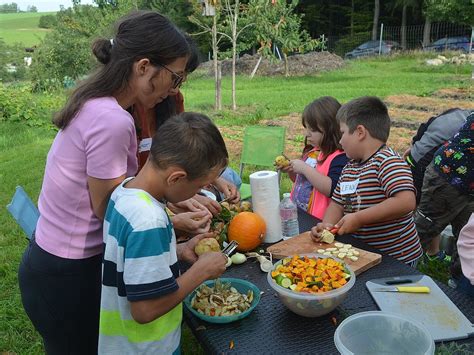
409, 289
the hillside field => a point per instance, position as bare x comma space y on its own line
22, 28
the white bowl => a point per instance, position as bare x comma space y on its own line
376, 332
310, 304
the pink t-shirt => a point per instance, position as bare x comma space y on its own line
99, 142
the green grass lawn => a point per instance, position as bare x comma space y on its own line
267, 97
23, 150
22, 28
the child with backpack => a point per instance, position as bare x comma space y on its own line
447, 195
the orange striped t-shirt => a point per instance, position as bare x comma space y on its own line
364, 185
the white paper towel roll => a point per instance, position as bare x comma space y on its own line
266, 202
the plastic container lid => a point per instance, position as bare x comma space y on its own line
385, 333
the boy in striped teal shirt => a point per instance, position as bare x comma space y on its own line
142, 288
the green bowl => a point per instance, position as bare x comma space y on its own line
240, 285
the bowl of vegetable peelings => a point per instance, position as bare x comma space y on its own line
311, 285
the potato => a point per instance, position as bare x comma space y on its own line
206, 245
327, 236
281, 162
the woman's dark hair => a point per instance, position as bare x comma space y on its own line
320, 115
142, 34
167, 108
190, 141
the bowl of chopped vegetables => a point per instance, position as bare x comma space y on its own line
223, 300
311, 285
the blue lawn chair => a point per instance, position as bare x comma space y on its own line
24, 211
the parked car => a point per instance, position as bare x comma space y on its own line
372, 48
449, 43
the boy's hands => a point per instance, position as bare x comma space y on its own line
229, 190
186, 250
349, 223
189, 205
212, 206
192, 222
211, 265
346, 225
320, 227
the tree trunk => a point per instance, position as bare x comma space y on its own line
217, 103
352, 17
255, 68
404, 28
218, 86
287, 71
376, 19
234, 51
426, 32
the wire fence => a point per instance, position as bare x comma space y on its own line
409, 38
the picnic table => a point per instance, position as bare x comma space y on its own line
272, 328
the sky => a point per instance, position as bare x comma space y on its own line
43, 5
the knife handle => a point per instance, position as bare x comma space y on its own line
413, 289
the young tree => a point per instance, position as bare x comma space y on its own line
277, 24
232, 12
201, 19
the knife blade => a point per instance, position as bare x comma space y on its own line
408, 289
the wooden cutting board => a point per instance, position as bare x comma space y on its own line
303, 243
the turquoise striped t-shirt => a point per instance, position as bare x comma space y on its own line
140, 263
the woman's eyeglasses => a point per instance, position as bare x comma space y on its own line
177, 79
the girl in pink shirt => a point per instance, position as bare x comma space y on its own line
466, 255
315, 175
93, 152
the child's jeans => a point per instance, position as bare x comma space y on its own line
465, 286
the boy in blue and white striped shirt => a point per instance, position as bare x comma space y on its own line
142, 288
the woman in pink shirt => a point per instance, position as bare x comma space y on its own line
94, 151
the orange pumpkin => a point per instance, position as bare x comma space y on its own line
247, 229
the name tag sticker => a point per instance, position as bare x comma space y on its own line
311, 162
349, 187
145, 145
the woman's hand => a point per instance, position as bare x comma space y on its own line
190, 205
320, 227
186, 250
192, 222
212, 206
229, 190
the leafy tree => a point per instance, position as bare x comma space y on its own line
276, 23
8, 8
12, 66
455, 11
65, 52
32, 8
47, 21
177, 11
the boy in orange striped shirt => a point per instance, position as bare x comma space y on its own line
375, 197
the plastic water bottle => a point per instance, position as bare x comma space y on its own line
289, 217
